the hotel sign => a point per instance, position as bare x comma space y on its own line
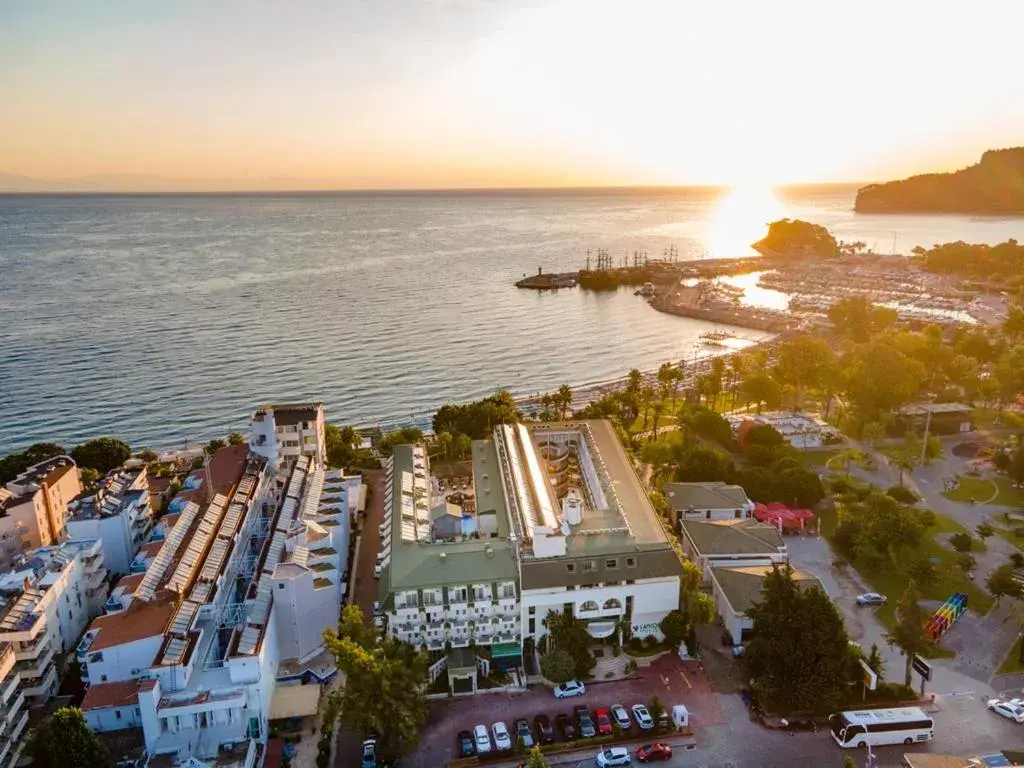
642, 629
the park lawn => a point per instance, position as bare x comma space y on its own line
819, 457
1012, 665
972, 488
1010, 536
1008, 495
992, 418
892, 582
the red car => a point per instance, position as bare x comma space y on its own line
651, 753
604, 723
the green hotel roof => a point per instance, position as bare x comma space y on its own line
419, 565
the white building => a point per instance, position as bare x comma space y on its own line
708, 501
197, 636
590, 541
118, 513
47, 603
282, 432
13, 712
731, 543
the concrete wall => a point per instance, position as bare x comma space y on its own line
114, 718
302, 613
125, 661
115, 534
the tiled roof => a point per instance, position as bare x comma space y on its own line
225, 469
142, 619
130, 582
123, 694
152, 548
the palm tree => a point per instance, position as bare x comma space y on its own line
636, 380
646, 395
658, 408
666, 378
564, 396
735, 376
717, 374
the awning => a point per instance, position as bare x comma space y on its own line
294, 701
601, 629
505, 650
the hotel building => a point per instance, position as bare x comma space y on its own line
283, 432
33, 507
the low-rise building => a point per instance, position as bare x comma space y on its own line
708, 501
281, 432
118, 513
33, 507
47, 602
730, 543
735, 590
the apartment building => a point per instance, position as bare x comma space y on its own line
13, 712
443, 590
309, 581
33, 507
193, 656
118, 512
46, 603
281, 432
589, 541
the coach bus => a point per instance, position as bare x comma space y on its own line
877, 727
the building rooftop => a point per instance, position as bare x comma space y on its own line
142, 619
130, 582
287, 414
742, 587
124, 694
738, 536
50, 471
715, 495
923, 409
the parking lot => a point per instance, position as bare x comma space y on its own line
673, 681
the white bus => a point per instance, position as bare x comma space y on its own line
859, 728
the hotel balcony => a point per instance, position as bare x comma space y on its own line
11, 744
40, 687
36, 667
10, 691
7, 660
31, 649
95, 580
11, 713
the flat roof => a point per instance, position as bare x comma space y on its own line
922, 409
742, 587
713, 495
737, 536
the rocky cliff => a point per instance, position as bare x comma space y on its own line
995, 185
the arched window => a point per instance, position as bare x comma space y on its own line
612, 603
590, 605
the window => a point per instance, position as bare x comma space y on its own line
117, 713
589, 605
103, 678
611, 564
280, 586
631, 562
533, 610
532, 626
589, 565
612, 604
570, 567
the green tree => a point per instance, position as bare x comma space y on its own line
880, 379
802, 363
659, 407
340, 444
799, 487
635, 380
564, 399
66, 741
445, 444
147, 455
557, 665
656, 709
213, 446
762, 390
907, 633
536, 759
479, 418
667, 381
675, 626
404, 436
383, 691
876, 662
463, 446
102, 454
961, 541
88, 476
798, 654
570, 634
984, 530
13, 465
1016, 469
703, 465
923, 571
1002, 581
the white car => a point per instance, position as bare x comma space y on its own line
569, 688
378, 569
614, 756
872, 598
481, 739
643, 717
501, 738
621, 717
1012, 709
377, 609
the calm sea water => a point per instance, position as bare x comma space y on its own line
164, 319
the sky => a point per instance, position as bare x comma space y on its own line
360, 94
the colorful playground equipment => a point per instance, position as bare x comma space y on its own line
946, 616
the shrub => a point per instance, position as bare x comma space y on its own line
841, 485
961, 542
323, 759
902, 495
1019, 531
1017, 559
966, 562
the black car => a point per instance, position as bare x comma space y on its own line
584, 722
466, 748
565, 727
523, 735
542, 725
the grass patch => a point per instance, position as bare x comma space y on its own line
972, 488
1008, 495
819, 457
1012, 665
891, 581
1010, 536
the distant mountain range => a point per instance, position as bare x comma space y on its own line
995, 185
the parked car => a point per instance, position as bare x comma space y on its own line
378, 569
377, 609
1012, 709
621, 717
614, 756
481, 739
872, 598
545, 733
569, 688
378, 622
584, 722
738, 650
370, 753
652, 753
465, 740
523, 733
643, 717
604, 723
565, 727
502, 740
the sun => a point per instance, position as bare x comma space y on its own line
740, 218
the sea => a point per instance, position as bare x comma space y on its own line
164, 319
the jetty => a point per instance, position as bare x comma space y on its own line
543, 281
